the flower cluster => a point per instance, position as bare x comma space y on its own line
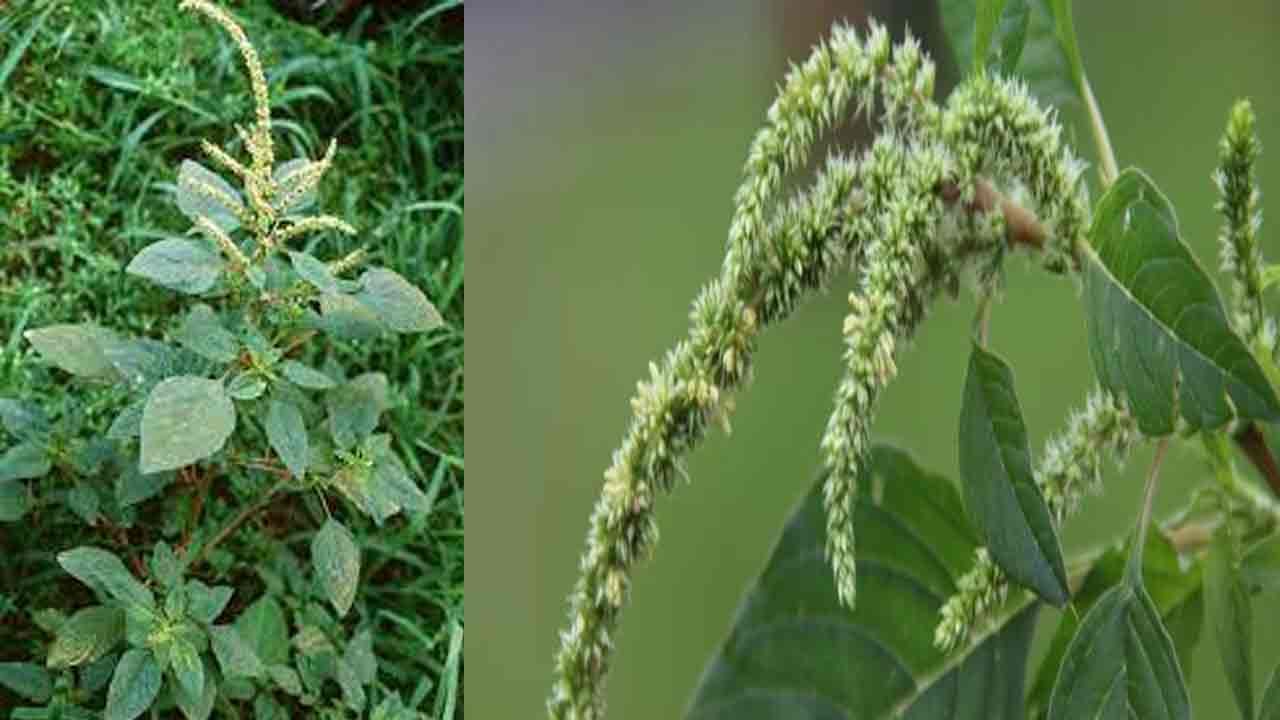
1241, 256
1072, 467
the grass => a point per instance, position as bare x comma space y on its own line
99, 102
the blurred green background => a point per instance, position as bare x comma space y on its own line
606, 144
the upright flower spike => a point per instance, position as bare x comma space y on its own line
262, 147
1242, 217
1070, 469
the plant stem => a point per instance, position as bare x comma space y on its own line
237, 521
1106, 155
1148, 496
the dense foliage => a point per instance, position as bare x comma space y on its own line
231, 479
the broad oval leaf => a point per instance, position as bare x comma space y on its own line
179, 265
794, 651
1121, 662
397, 303
224, 211
103, 571
79, 349
134, 686
201, 707
1000, 491
343, 316
1177, 591
306, 377
1228, 609
337, 562
27, 461
262, 626
1156, 322
207, 603
187, 667
186, 419
287, 433
86, 636
27, 679
235, 655
354, 408
202, 332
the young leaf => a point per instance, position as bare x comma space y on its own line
27, 461
1155, 321
306, 377
397, 303
337, 562
207, 603
165, 565
15, 501
23, 420
187, 667
86, 636
28, 680
1121, 662
262, 626
186, 419
314, 272
1229, 612
195, 204
286, 678
236, 657
355, 407
287, 433
794, 649
105, 572
134, 686
352, 691
203, 334
179, 265
359, 655
246, 386
999, 485
78, 349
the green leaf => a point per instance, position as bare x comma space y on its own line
354, 408
352, 691
86, 636
1156, 323
287, 433
187, 667
286, 678
1121, 662
397, 303
794, 651
1228, 609
1000, 491
236, 656
207, 603
347, 318
198, 707
15, 501
27, 461
134, 686
179, 265
27, 679
203, 334
78, 349
133, 487
246, 386
103, 571
974, 30
23, 420
1177, 592
359, 655
314, 272
83, 500
1065, 30
1270, 707
337, 562
262, 626
186, 419
194, 204
307, 377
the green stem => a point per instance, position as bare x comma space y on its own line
1148, 496
1110, 170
